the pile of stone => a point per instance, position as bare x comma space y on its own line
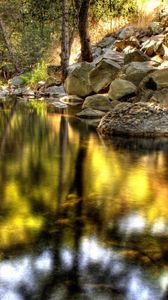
130, 66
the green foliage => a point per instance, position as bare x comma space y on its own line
116, 8
39, 73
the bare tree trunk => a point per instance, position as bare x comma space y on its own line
65, 40
8, 45
83, 31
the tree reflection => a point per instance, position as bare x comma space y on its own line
78, 219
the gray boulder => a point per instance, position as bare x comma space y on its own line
102, 75
77, 81
98, 102
120, 88
138, 119
136, 71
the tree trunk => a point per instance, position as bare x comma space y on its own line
86, 53
8, 45
65, 40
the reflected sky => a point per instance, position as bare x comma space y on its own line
80, 217
29, 272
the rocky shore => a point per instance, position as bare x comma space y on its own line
127, 82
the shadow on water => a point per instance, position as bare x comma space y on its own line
80, 217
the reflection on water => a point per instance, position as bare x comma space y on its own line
80, 217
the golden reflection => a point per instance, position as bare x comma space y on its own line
38, 180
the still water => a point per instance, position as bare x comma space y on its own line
81, 218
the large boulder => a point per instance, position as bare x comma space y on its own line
157, 80
120, 88
98, 102
138, 119
102, 75
77, 81
136, 71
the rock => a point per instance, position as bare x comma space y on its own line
163, 65
156, 27
136, 71
152, 45
114, 56
135, 119
120, 45
135, 55
77, 81
72, 100
90, 113
160, 97
96, 52
20, 91
157, 80
54, 90
102, 75
127, 32
120, 88
106, 42
16, 81
98, 101
165, 52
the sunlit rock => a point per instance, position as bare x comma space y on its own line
77, 81
152, 45
120, 88
98, 101
102, 75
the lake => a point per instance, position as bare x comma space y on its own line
81, 217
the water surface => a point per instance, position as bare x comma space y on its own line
80, 217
